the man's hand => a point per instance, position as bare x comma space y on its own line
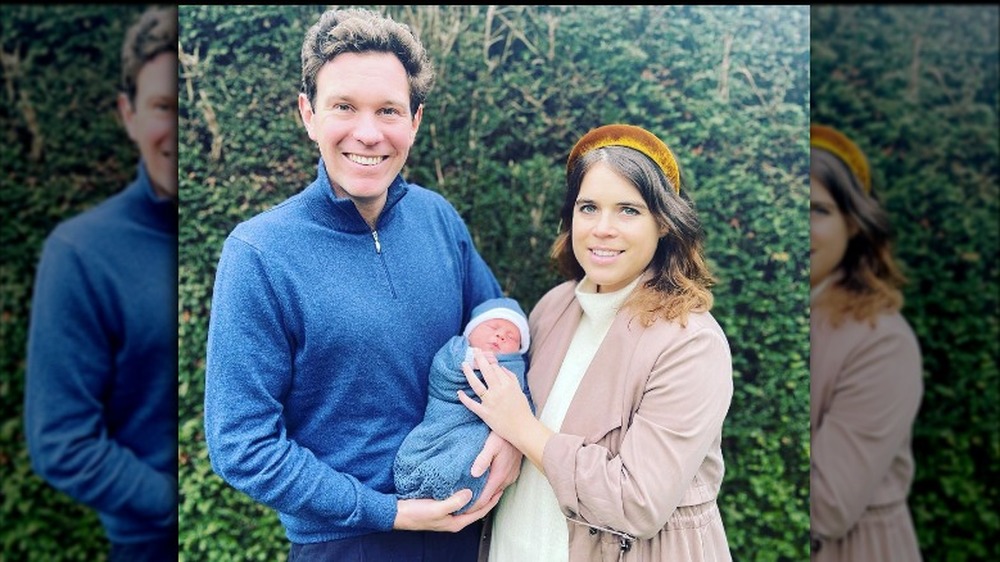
434, 515
504, 462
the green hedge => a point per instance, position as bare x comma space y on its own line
727, 87
917, 89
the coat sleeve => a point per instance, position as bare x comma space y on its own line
869, 420
248, 371
678, 420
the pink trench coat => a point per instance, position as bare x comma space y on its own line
867, 385
640, 446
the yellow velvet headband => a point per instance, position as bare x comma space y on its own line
632, 137
834, 142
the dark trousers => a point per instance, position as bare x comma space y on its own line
159, 550
394, 546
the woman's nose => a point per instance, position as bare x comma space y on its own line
605, 225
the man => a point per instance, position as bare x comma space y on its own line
328, 309
101, 377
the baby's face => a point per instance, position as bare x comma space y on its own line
496, 335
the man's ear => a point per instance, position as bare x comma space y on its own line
306, 112
127, 114
418, 116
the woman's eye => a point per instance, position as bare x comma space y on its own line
630, 211
587, 208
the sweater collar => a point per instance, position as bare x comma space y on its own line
153, 210
602, 307
822, 286
341, 212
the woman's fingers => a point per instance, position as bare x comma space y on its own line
489, 370
475, 384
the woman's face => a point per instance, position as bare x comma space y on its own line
614, 232
829, 233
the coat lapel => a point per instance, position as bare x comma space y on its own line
599, 403
599, 400
547, 357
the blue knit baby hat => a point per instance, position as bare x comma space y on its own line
506, 309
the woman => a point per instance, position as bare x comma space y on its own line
865, 367
630, 374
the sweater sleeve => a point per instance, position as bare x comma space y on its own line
480, 283
248, 370
869, 420
70, 371
680, 416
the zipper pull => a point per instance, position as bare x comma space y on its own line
378, 245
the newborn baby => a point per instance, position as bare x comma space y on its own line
435, 460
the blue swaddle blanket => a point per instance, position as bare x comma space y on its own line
435, 459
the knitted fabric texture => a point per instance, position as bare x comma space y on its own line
435, 459
502, 308
317, 367
100, 403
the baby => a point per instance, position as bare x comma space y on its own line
435, 459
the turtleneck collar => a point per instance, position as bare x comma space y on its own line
345, 215
602, 307
819, 288
154, 210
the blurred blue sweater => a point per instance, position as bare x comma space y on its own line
100, 404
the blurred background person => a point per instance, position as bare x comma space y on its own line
100, 401
917, 88
865, 365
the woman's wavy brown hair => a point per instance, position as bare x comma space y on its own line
869, 278
680, 282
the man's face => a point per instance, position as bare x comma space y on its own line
362, 124
151, 121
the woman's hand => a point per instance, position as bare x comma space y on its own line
507, 407
504, 407
434, 515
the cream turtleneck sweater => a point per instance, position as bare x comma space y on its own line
529, 525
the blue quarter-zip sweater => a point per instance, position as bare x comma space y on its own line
321, 338
100, 405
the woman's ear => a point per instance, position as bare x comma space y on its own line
852, 227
